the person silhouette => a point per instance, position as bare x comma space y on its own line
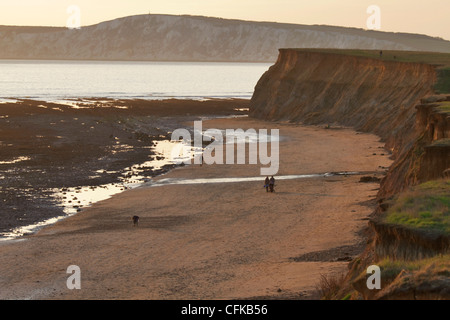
266, 184
272, 184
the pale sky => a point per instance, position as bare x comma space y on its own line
428, 17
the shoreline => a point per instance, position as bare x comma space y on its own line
134, 132
213, 241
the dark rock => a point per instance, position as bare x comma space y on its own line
369, 179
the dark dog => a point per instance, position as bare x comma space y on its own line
135, 220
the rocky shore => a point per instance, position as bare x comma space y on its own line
50, 152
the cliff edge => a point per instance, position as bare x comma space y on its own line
364, 90
404, 98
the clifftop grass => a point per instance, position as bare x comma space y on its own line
424, 207
443, 82
391, 268
444, 107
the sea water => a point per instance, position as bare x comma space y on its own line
59, 80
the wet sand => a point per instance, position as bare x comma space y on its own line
50, 150
212, 241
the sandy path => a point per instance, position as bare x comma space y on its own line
209, 241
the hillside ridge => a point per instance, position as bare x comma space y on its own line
154, 37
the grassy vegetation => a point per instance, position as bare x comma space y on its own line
441, 60
441, 143
391, 268
419, 271
443, 83
329, 286
444, 106
425, 207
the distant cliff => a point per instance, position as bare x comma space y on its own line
193, 38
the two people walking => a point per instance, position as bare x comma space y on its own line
269, 184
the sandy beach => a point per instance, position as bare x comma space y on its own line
213, 240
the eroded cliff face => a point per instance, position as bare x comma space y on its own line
394, 100
435, 125
395, 242
370, 95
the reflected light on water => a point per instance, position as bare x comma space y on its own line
72, 200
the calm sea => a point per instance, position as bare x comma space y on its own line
59, 80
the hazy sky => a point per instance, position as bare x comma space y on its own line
415, 16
